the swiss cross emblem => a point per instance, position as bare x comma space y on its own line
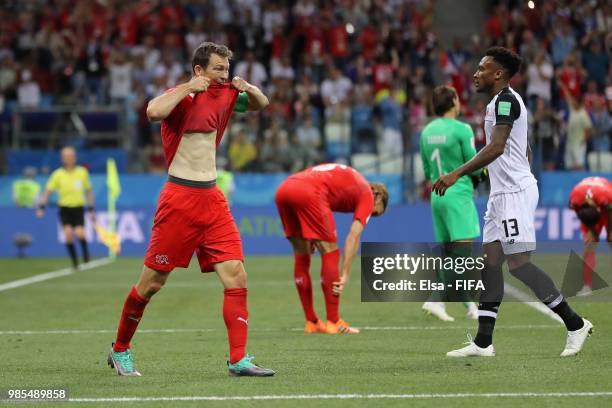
161, 259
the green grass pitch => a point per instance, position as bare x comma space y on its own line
58, 333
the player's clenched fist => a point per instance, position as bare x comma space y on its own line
199, 84
240, 84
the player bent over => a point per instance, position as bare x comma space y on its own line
447, 143
592, 201
305, 202
192, 213
509, 231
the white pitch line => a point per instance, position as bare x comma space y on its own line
350, 396
366, 328
53, 274
523, 297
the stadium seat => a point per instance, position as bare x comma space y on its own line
337, 140
600, 161
365, 162
391, 165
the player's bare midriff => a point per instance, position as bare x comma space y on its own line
195, 157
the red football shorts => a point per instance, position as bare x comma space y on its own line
305, 211
191, 219
602, 223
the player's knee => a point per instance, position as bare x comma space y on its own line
233, 274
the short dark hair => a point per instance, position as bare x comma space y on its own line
201, 55
588, 215
442, 99
508, 59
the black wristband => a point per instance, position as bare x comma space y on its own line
90, 208
41, 207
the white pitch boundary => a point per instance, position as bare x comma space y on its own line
523, 297
366, 328
350, 396
53, 274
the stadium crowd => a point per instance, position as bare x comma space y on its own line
343, 77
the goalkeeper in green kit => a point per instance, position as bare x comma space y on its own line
446, 144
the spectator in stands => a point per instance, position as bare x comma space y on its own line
335, 90
570, 76
592, 97
28, 91
540, 73
8, 76
242, 152
275, 154
252, 70
601, 132
578, 131
391, 116
308, 135
120, 71
545, 126
596, 63
564, 41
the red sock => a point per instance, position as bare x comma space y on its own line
588, 267
236, 316
133, 309
329, 275
303, 284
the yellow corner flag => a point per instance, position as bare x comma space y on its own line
112, 179
109, 237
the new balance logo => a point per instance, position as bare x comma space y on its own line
243, 320
161, 259
134, 318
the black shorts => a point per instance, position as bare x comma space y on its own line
74, 216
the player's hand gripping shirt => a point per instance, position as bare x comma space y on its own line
202, 112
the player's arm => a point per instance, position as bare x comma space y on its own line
52, 185
160, 107
351, 245
256, 99
468, 147
507, 110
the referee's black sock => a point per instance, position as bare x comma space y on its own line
544, 288
72, 252
85, 249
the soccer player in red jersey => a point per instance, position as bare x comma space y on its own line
192, 213
592, 201
305, 202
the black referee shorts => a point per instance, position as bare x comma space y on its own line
74, 216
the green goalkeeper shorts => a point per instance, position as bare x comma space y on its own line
454, 217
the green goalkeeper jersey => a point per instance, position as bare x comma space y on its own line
445, 145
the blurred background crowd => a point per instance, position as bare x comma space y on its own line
348, 80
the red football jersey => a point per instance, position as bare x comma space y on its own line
202, 112
346, 190
597, 188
